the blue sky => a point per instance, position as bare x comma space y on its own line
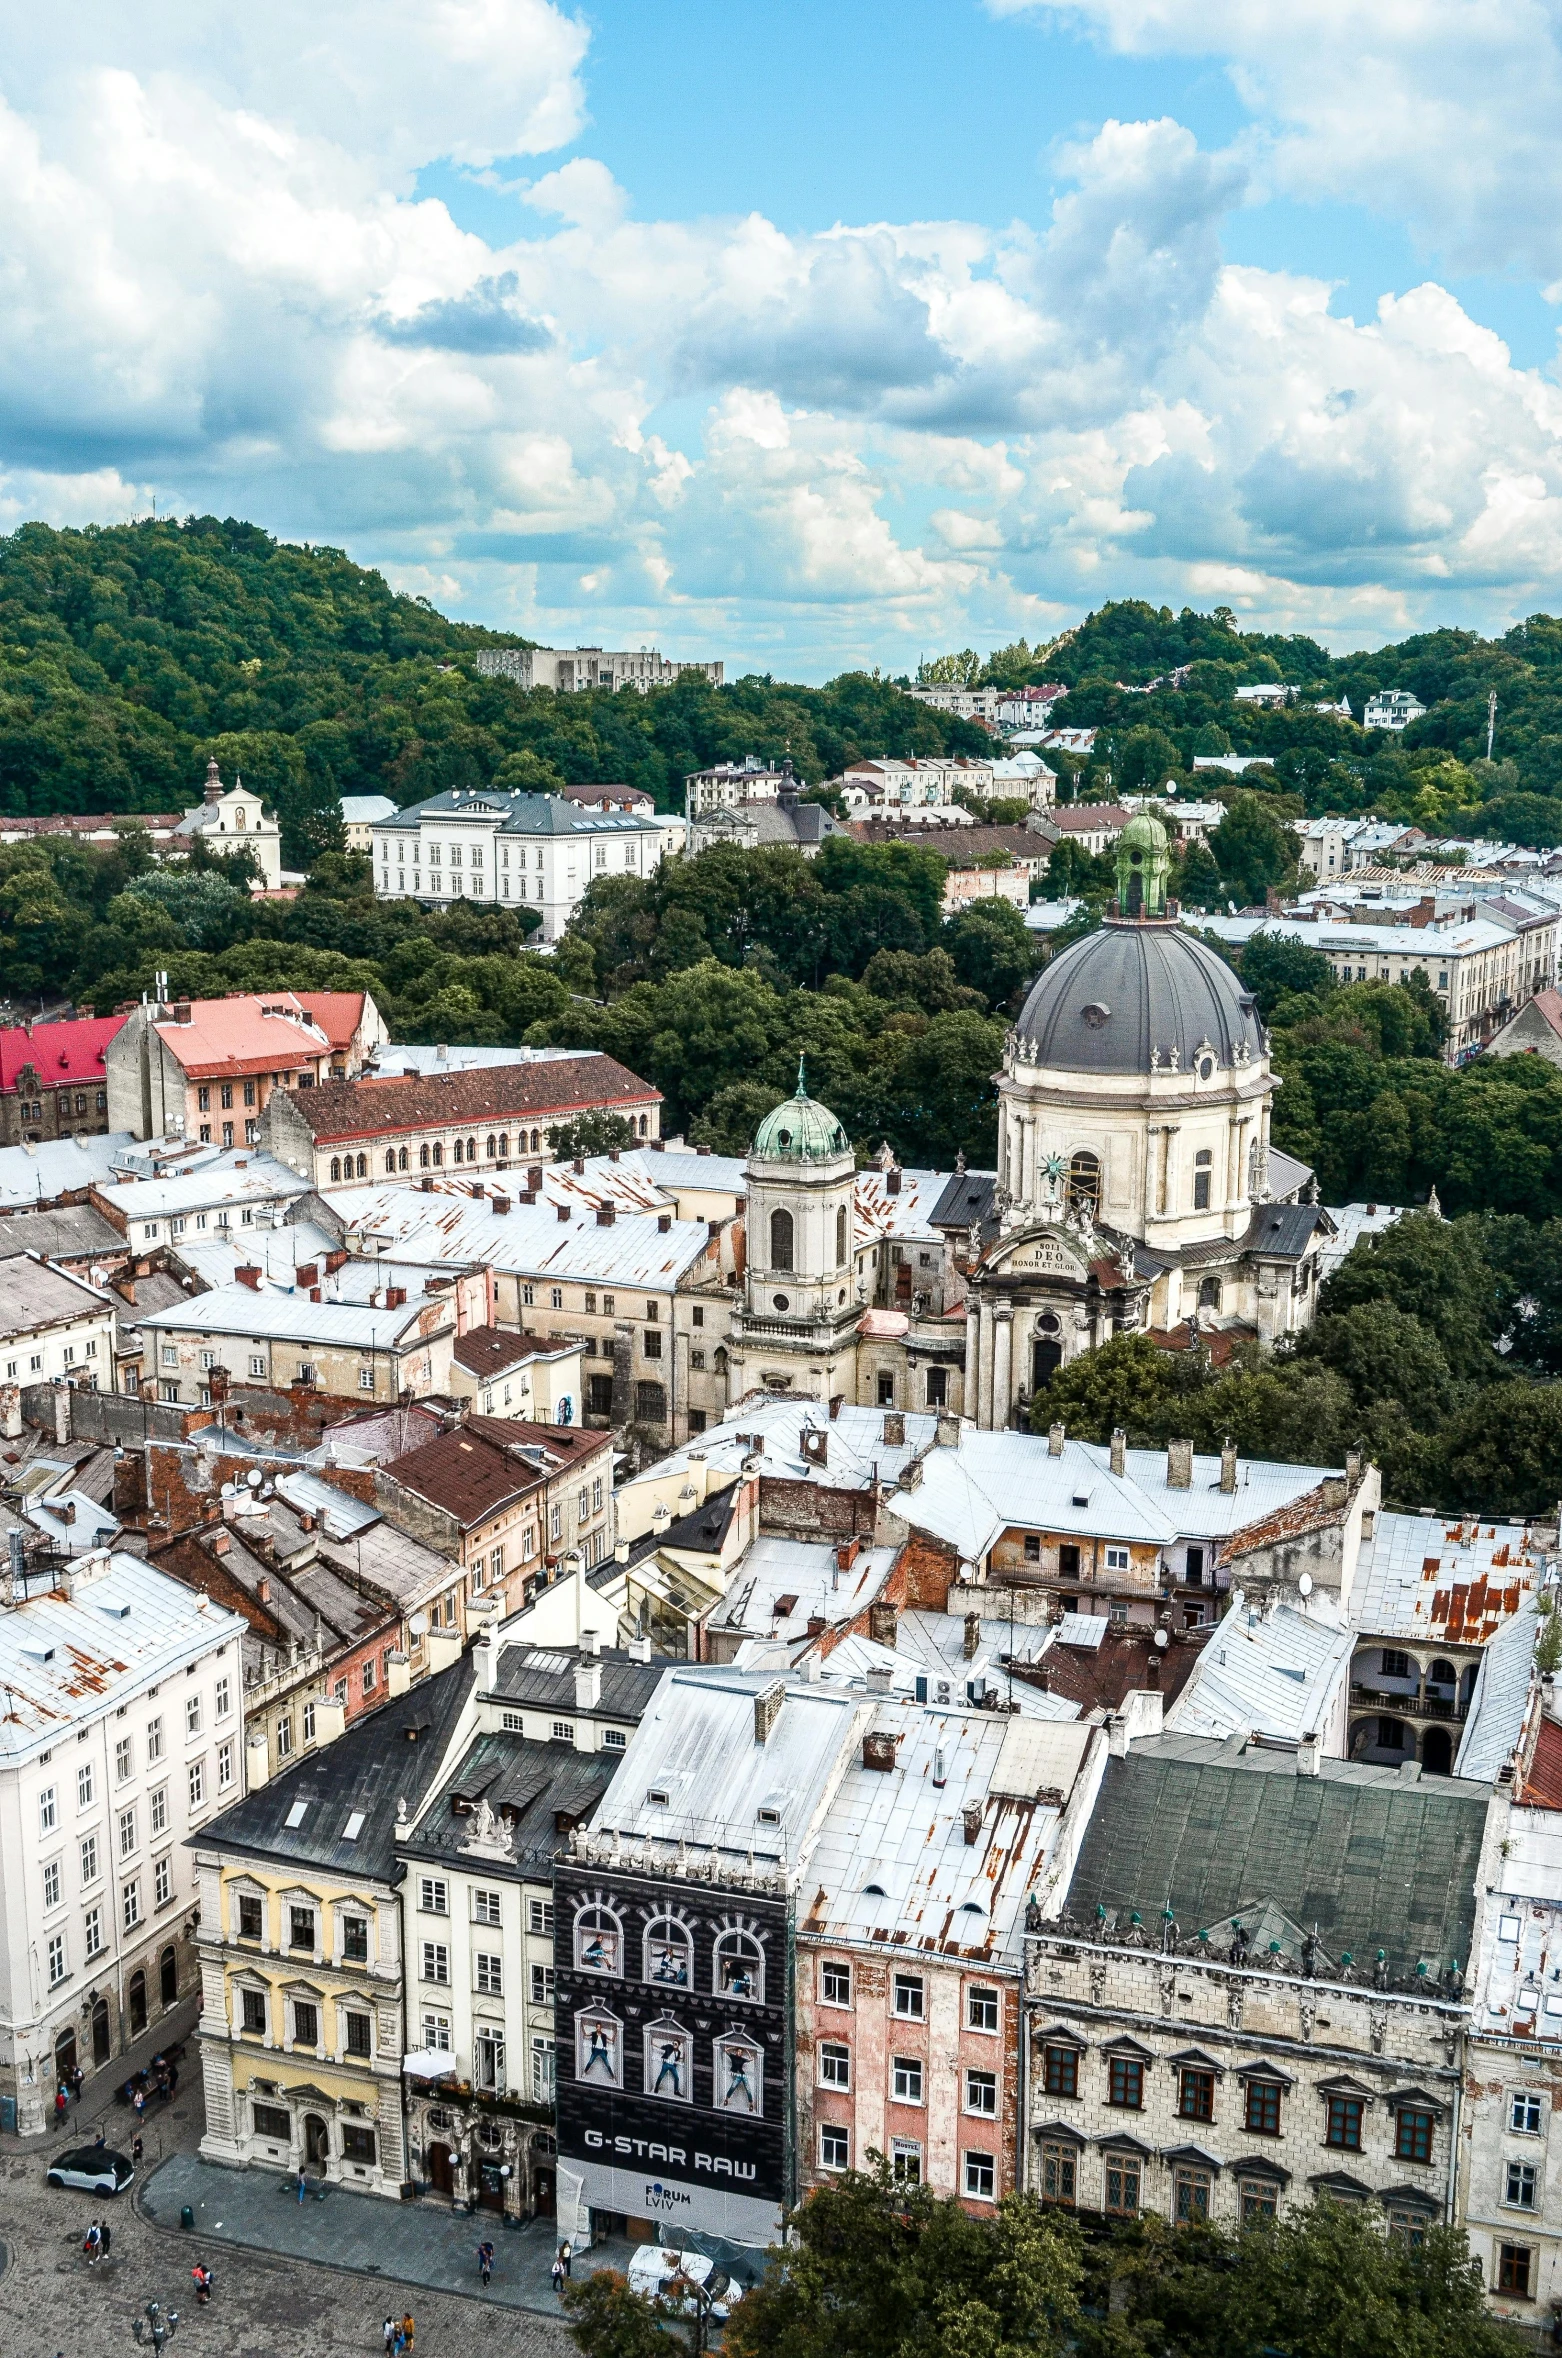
806, 337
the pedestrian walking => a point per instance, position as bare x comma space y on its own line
303, 2185
566, 2254
485, 2260
91, 2242
59, 2108
76, 2079
100, 2140
202, 2279
408, 2330
388, 2333
137, 2146
557, 2272
105, 2239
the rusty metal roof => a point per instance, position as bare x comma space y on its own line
1440, 1577
71, 1654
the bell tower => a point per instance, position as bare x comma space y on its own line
796, 1333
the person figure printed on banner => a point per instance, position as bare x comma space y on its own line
557, 2270
485, 2260
670, 2058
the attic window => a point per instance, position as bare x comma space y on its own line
353, 1827
769, 1817
873, 1891
656, 1798
1081, 1498
296, 1815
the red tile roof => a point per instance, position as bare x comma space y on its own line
58, 1052
463, 1472
398, 1102
338, 1013
272, 1032
1542, 1786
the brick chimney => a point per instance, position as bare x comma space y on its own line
248, 1274
767, 1710
563, 1210
1056, 1434
1179, 1465
606, 1215
1119, 1450
1228, 1464
395, 1296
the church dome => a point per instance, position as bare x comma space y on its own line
800, 1130
1110, 1001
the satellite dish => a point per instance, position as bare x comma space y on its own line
1305, 1584
1163, 1639
227, 1489
253, 1477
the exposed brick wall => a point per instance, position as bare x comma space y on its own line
807, 1510
923, 1574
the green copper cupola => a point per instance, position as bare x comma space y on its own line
1143, 865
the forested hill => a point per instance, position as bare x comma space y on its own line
131, 653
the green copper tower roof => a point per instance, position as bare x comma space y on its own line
1143, 864
800, 1130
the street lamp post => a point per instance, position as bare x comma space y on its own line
157, 2329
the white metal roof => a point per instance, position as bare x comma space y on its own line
530, 1240
293, 1318
808, 1574
893, 1861
1354, 1221
697, 1746
1446, 1579
229, 1179
1277, 1674
67, 1660
1500, 1699
36, 1174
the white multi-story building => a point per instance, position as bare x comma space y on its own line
1391, 708
567, 670
487, 844
53, 1327
121, 1737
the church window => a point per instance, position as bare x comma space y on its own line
1209, 1293
886, 1389
1202, 1162
780, 1239
1084, 1181
840, 1237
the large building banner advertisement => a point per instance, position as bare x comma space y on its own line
672, 2018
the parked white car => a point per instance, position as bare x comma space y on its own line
673, 2276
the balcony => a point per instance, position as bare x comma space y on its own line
1410, 1706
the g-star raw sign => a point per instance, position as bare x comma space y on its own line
716, 2165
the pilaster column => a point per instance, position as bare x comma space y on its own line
1003, 1368
982, 1374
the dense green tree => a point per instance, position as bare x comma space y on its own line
607, 2320
1197, 879
1253, 850
593, 1133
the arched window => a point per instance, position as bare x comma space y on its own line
423, 1158
1084, 1180
471, 1149
1209, 1293
780, 1239
739, 1967
390, 1161
536, 1142
336, 1168
439, 1154
669, 1954
1203, 1162
504, 1146
493, 1146
363, 1166
401, 1159
455, 1152
645, 1125
840, 1237
599, 1941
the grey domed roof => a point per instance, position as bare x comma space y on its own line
1109, 1000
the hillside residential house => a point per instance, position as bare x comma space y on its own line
494, 844
508, 1501
1391, 708
303, 2018
205, 1069
410, 1124
568, 670
53, 1079
231, 819
359, 813
120, 1738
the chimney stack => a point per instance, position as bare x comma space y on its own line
1228, 1464
767, 1709
1179, 1465
1119, 1450
1055, 1439
971, 1642
971, 1820
248, 1274
1309, 1755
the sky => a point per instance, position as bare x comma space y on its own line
806, 337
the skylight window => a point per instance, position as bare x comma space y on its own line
657, 1798
296, 1815
353, 1827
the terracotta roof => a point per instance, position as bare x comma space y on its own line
1542, 1786
1101, 1676
338, 1013
489, 1350
226, 1036
506, 1092
1087, 818
1219, 1341
553, 1445
71, 1051
463, 1472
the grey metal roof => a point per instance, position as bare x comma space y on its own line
544, 1676
37, 1174
1370, 1858
35, 1295
1277, 1674
521, 814
71, 1233
1161, 989
1501, 1698
393, 1754
967, 1201
529, 1785
273, 1315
